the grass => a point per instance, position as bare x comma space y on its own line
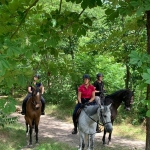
13, 137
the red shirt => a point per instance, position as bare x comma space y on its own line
86, 92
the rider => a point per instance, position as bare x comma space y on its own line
37, 84
99, 93
86, 94
99, 89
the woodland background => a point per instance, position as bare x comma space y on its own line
61, 40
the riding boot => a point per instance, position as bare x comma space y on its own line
43, 108
23, 108
75, 125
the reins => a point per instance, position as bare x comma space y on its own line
95, 120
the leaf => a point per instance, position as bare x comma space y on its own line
54, 52
140, 11
148, 113
10, 52
84, 5
78, 1
114, 15
147, 81
5, 63
88, 21
148, 70
22, 81
109, 11
99, 2
81, 31
146, 76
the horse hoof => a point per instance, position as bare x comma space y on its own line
37, 143
109, 143
30, 145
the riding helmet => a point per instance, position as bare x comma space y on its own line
99, 75
86, 76
37, 75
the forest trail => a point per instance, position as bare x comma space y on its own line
50, 127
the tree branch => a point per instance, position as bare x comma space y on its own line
69, 24
60, 6
26, 12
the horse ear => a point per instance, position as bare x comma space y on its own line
109, 105
100, 105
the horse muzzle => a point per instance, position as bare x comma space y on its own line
109, 128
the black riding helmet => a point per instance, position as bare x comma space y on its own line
99, 75
86, 76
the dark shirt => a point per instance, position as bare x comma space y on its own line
99, 86
38, 84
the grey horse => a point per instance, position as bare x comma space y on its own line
87, 123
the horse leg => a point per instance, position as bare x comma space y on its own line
109, 137
81, 145
89, 142
103, 139
92, 141
36, 129
30, 141
26, 129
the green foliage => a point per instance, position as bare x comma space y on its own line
7, 106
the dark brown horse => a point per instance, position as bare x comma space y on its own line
125, 96
33, 112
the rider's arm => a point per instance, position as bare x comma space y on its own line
29, 89
93, 97
79, 97
42, 89
95, 85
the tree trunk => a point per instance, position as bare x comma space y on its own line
148, 86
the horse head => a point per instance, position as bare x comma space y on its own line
128, 99
105, 117
36, 96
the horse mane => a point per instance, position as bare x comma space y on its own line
112, 97
91, 110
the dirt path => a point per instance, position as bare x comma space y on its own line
58, 130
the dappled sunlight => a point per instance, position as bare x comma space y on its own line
130, 131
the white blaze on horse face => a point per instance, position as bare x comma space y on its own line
38, 93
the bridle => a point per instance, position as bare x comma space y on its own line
103, 124
33, 99
102, 119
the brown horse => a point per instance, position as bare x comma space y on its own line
33, 112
